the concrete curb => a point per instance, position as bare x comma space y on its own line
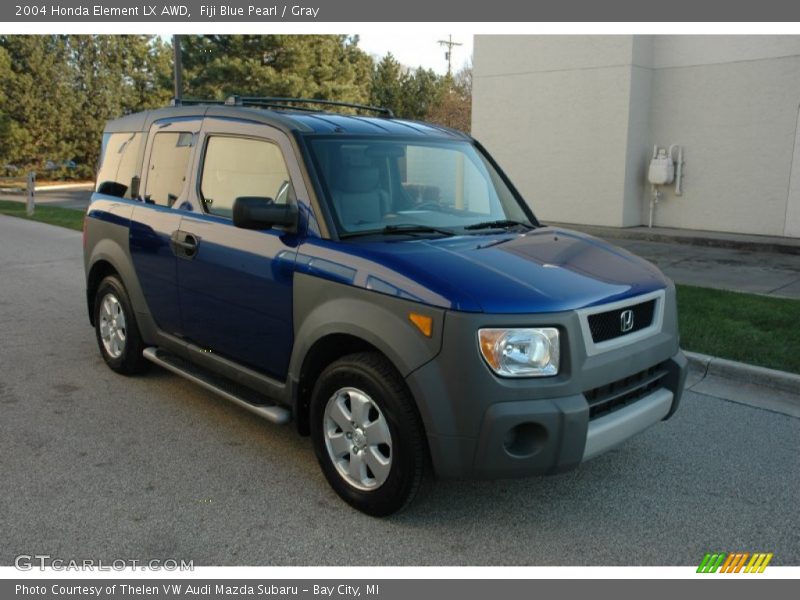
730, 369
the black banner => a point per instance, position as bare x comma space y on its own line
392, 589
271, 11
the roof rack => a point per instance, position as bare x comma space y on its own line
193, 102
287, 103
283, 103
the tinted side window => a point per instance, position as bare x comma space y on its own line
169, 160
119, 161
235, 167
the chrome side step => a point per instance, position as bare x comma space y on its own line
244, 397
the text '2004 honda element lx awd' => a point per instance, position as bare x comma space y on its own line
379, 282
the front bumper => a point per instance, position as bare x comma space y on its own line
554, 435
480, 425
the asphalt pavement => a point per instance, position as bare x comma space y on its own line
96, 465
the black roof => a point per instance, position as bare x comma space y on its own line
289, 120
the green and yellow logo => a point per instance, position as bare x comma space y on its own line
734, 562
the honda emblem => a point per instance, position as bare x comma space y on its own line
626, 321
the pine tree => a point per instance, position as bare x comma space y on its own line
5, 73
39, 101
422, 91
387, 82
113, 76
309, 66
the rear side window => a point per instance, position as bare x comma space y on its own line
169, 160
235, 167
119, 160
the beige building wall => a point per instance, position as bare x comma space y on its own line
573, 120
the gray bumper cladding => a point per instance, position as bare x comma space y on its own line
609, 431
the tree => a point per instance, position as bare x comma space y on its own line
39, 102
5, 73
113, 76
57, 92
387, 84
422, 92
410, 94
454, 107
310, 66
147, 69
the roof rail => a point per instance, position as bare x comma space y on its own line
193, 101
287, 103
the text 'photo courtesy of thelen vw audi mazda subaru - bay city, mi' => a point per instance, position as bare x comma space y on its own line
378, 282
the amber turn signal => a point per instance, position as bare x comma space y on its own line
422, 322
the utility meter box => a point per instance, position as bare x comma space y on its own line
662, 169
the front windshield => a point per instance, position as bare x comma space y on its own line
375, 184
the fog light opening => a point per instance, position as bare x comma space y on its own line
525, 439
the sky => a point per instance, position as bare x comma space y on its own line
418, 50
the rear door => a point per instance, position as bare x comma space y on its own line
156, 221
236, 288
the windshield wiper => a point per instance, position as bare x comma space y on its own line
403, 229
499, 224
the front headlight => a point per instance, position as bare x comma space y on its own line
530, 352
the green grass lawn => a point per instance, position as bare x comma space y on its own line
759, 330
54, 215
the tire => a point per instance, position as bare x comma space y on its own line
378, 464
116, 330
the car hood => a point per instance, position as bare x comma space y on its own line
545, 270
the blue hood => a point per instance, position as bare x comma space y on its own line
545, 270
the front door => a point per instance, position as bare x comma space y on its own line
235, 287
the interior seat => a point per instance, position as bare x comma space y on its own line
358, 197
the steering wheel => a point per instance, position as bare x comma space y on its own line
283, 193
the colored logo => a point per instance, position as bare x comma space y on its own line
734, 562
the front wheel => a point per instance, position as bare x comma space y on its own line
367, 434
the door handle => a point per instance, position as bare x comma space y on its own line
186, 247
190, 243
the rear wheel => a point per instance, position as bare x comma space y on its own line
367, 435
117, 334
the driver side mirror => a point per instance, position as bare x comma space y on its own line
259, 212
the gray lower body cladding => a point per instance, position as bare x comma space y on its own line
481, 425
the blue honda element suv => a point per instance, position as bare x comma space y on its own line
378, 282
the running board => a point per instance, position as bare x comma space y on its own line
245, 397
